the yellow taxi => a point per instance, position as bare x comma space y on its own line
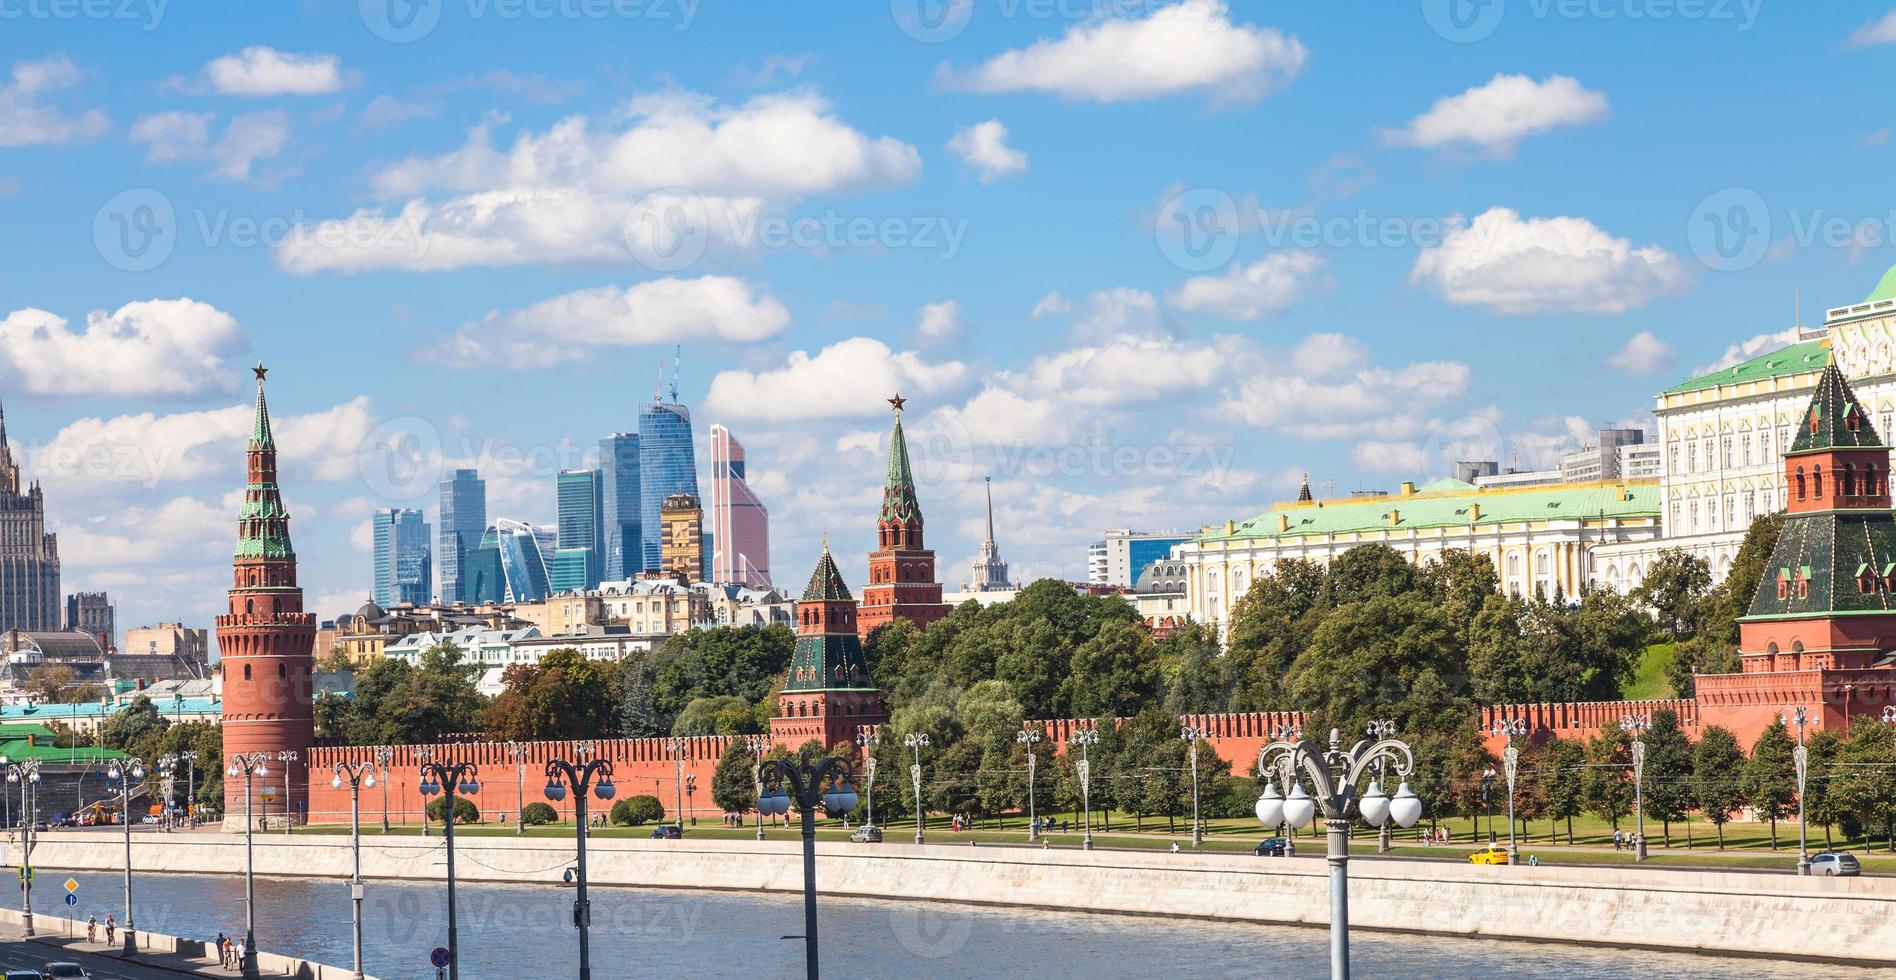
1489, 855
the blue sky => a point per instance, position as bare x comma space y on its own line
1143, 263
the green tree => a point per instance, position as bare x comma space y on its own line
465, 812
1562, 777
1668, 771
723, 715
1718, 777
334, 713
635, 810
1714, 649
1608, 784
638, 706
129, 726
1113, 673
1195, 675
733, 786
57, 683
1865, 787
1821, 804
1770, 776
1676, 589
562, 695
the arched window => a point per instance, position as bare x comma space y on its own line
246, 672
1847, 486
1798, 482
1817, 482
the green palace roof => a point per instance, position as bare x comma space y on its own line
1451, 503
1885, 287
1811, 355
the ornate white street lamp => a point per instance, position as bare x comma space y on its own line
1030, 737
1510, 765
1636, 725
1083, 738
917, 741
1801, 756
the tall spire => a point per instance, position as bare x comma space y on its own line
260, 437
9, 473
263, 526
989, 487
1303, 492
899, 504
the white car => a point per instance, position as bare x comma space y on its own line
64, 971
1832, 864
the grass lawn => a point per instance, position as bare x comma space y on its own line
1649, 678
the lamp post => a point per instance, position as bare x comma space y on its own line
1279, 733
26, 773
1636, 725
1376, 730
190, 757
1334, 773
825, 780
580, 776
383, 756
1193, 736
1801, 757
917, 741
247, 766
286, 757
1510, 766
868, 741
518, 753
166, 785
357, 775
424, 755
124, 771
759, 745
1487, 800
1029, 738
677, 747
447, 778
1083, 738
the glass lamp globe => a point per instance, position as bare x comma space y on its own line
1270, 807
1299, 808
336, 783
1375, 805
263, 770
555, 791
1405, 808
368, 781
605, 790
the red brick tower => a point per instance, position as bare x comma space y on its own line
901, 569
1821, 629
266, 641
827, 694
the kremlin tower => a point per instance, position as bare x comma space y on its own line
266, 642
827, 694
901, 569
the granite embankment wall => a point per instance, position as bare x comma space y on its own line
1725, 912
268, 964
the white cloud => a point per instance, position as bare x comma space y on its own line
1546, 265
572, 327
849, 378
1643, 354
385, 111
1052, 304
26, 120
1127, 369
181, 137
983, 146
1109, 313
1749, 348
572, 192
1324, 355
1267, 287
145, 536
1372, 401
1190, 46
1879, 31
263, 71
1497, 116
153, 347
1389, 457
362, 537
999, 417
940, 323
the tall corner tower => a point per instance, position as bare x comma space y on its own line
901, 570
266, 642
827, 694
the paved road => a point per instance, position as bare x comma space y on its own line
18, 954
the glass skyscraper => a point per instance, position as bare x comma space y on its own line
619, 506
463, 520
511, 563
738, 538
667, 466
403, 565
577, 561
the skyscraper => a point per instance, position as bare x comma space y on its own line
266, 642
667, 465
463, 519
403, 566
91, 613
740, 526
29, 557
577, 558
511, 563
619, 506
682, 522
990, 570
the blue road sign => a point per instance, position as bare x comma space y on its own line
440, 957
72, 899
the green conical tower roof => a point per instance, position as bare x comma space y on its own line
899, 504
263, 526
260, 437
1834, 419
826, 583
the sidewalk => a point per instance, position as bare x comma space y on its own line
57, 944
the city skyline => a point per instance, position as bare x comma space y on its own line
1061, 336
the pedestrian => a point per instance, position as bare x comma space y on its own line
111, 928
1616, 840
243, 954
1175, 847
92, 928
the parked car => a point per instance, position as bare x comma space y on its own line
22, 975
867, 834
64, 971
1491, 854
668, 831
1274, 847
1835, 864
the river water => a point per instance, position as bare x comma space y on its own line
524, 931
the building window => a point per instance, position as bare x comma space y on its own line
1798, 481
1817, 482
1731, 511
1751, 506
1728, 452
1672, 458
1747, 448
